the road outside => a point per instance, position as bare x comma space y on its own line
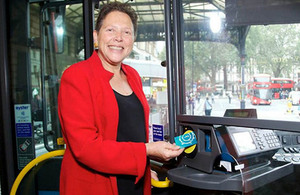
278, 110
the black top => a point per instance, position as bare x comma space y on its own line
131, 128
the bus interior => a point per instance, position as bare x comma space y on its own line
186, 52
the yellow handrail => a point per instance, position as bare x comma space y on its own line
31, 165
161, 184
158, 184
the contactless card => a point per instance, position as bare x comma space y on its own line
186, 140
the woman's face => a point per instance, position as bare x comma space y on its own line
115, 38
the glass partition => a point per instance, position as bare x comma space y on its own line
147, 56
234, 62
57, 47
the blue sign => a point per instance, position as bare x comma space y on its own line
23, 120
23, 130
158, 133
24, 135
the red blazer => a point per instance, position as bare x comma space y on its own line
88, 113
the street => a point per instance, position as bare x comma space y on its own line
278, 110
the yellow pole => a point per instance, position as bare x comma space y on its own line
29, 166
161, 184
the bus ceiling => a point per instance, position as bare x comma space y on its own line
240, 15
238, 12
257, 12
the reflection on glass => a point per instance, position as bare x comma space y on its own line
244, 141
223, 66
146, 58
262, 79
62, 46
263, 93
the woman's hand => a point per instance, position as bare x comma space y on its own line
154, 175
162, 150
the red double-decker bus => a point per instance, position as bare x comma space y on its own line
260, 89
281, 87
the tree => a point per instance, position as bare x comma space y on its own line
273, 48
203, 60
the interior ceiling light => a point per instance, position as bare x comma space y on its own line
215, 23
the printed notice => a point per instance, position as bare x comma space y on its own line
24, 135
23, 120
158, 133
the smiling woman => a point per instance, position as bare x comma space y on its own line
104, 115
115, 40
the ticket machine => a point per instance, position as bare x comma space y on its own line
228, 158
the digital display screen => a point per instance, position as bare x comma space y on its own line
244, 141
241, 113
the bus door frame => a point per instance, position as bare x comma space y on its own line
8, 163
7, 147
